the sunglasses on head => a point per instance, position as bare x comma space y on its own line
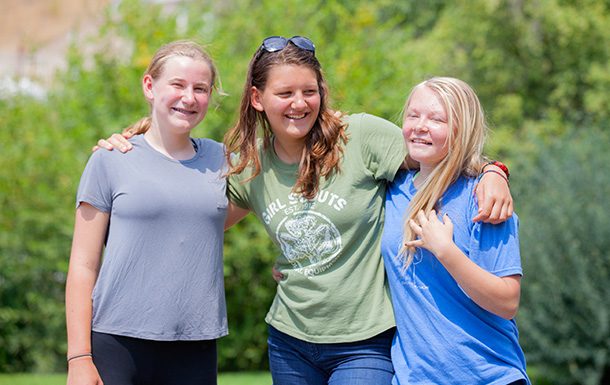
278, 43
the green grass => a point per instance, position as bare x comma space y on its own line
246, 378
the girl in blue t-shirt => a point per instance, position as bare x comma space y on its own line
455, 284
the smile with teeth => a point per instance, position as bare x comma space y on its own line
183, 111
421, 141
296, 117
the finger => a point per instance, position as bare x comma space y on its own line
119, 141
432, 215
103, 143
415, 227
510, 208
503, 213
276, 274
414, 243
421, 217
127, 134
495, 216
484, 208
95, 148
447, 219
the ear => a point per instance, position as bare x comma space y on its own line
147, 87
255, 99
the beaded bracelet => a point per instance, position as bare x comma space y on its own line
498, 164
70, 358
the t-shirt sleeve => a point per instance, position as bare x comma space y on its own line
383, 146
94, 187
496, 247
237, 190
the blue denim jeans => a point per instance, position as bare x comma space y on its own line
296, 362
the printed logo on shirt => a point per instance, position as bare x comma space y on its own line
297, 202
310, 241
409, 275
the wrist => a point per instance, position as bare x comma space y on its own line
444, 252
79, 357
498, 166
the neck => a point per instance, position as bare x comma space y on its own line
289, 153
423, 174
178, 147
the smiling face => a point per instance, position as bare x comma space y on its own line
290, 101
180, 95
425, 128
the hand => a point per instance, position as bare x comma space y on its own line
493, 195
118, 141
277, 276
432, 233
82, 371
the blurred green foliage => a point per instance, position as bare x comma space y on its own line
541, 69
565, 242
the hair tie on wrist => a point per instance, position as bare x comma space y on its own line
495, 172
70, 358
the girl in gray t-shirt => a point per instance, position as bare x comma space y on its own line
158, 214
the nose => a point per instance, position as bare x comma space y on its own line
421, 124
188, 96
298, 101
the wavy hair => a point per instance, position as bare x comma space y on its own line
466, 138
324, 142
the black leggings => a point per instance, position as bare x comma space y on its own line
133, 361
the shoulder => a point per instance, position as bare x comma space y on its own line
368, 122
371, 131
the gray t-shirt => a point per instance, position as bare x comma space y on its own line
162, 271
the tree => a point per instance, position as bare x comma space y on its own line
562, 193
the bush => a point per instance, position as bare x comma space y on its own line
562, 192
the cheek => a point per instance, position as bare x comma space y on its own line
406, 130
203, 100
314, 102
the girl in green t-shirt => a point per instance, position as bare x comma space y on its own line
317, 181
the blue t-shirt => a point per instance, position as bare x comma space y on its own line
444, 337
162, 272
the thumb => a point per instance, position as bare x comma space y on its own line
447, 219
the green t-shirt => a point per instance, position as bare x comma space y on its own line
334, 288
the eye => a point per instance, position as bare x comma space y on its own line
177, 85
311, 92
284, 94
202, 90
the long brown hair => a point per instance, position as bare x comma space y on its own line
466, 137
324, 142
157, 64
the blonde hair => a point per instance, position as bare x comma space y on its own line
185, 48
324, 142
465, 141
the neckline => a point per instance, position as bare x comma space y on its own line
196, 147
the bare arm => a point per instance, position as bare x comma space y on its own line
234, 214
85, 259
498, 295
493, 195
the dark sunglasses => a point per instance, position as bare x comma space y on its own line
278, 43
